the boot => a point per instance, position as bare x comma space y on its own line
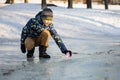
30, 53
42, 52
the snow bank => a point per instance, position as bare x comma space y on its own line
75, 22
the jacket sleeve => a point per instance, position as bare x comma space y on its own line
57, 39
24, 34
25, 31
31, 29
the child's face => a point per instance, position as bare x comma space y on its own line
47, 21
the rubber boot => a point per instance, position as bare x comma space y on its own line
42, 52
30, 53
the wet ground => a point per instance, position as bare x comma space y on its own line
91, 60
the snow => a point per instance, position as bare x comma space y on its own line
94, 34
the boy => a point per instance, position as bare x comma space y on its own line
37, 33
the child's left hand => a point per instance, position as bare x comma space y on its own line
68, 53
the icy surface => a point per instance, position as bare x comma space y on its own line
92, 34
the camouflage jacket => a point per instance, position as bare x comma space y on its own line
35, 26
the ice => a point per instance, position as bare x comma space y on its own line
93, 35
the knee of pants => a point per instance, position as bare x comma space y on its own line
29, 43
45, 33
44, 37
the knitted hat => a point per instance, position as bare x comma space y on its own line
47, 12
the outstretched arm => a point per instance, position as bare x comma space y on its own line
59, 41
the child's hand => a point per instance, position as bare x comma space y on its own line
68, 53
23, 49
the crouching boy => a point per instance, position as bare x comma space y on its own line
37, 32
